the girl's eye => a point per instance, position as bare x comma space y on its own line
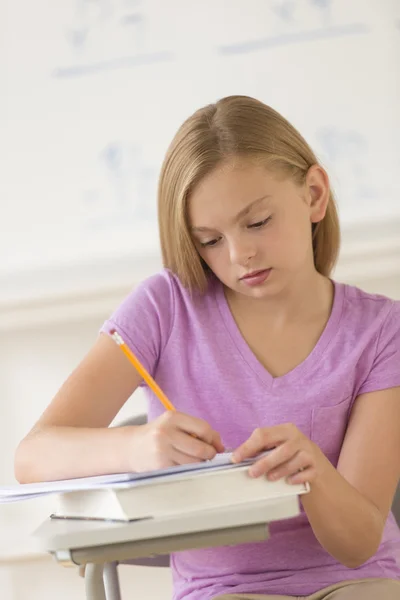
210, 243
259, 223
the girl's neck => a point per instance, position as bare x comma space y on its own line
307, 297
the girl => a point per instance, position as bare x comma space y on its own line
257, 348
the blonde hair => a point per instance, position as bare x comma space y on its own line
235, 126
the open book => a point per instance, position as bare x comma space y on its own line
166, 492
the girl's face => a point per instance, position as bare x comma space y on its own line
253, 228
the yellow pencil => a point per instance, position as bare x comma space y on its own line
142, 371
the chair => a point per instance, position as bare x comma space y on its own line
112, 582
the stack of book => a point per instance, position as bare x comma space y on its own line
166, 492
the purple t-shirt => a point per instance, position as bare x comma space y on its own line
195, 351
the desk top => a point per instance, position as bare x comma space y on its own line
57, 534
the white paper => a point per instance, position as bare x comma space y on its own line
27, 491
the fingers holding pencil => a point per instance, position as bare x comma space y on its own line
205, 437
173, 438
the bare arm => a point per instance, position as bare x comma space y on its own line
71, 438
348, 507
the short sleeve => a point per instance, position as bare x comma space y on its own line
385, 370
144, 319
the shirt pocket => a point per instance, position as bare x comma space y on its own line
328, 427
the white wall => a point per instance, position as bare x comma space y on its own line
80, 157
95, 90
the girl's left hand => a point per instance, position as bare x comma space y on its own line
293, 455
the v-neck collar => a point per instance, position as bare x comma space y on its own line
302, 368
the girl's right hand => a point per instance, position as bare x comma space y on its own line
173, 438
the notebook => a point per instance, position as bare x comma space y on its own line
28, 490
165, 492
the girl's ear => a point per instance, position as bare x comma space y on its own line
318, 192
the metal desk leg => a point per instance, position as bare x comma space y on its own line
94, 582
111, 581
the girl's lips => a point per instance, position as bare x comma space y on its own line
256, 277
254, 273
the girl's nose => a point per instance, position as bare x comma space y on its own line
241, 253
